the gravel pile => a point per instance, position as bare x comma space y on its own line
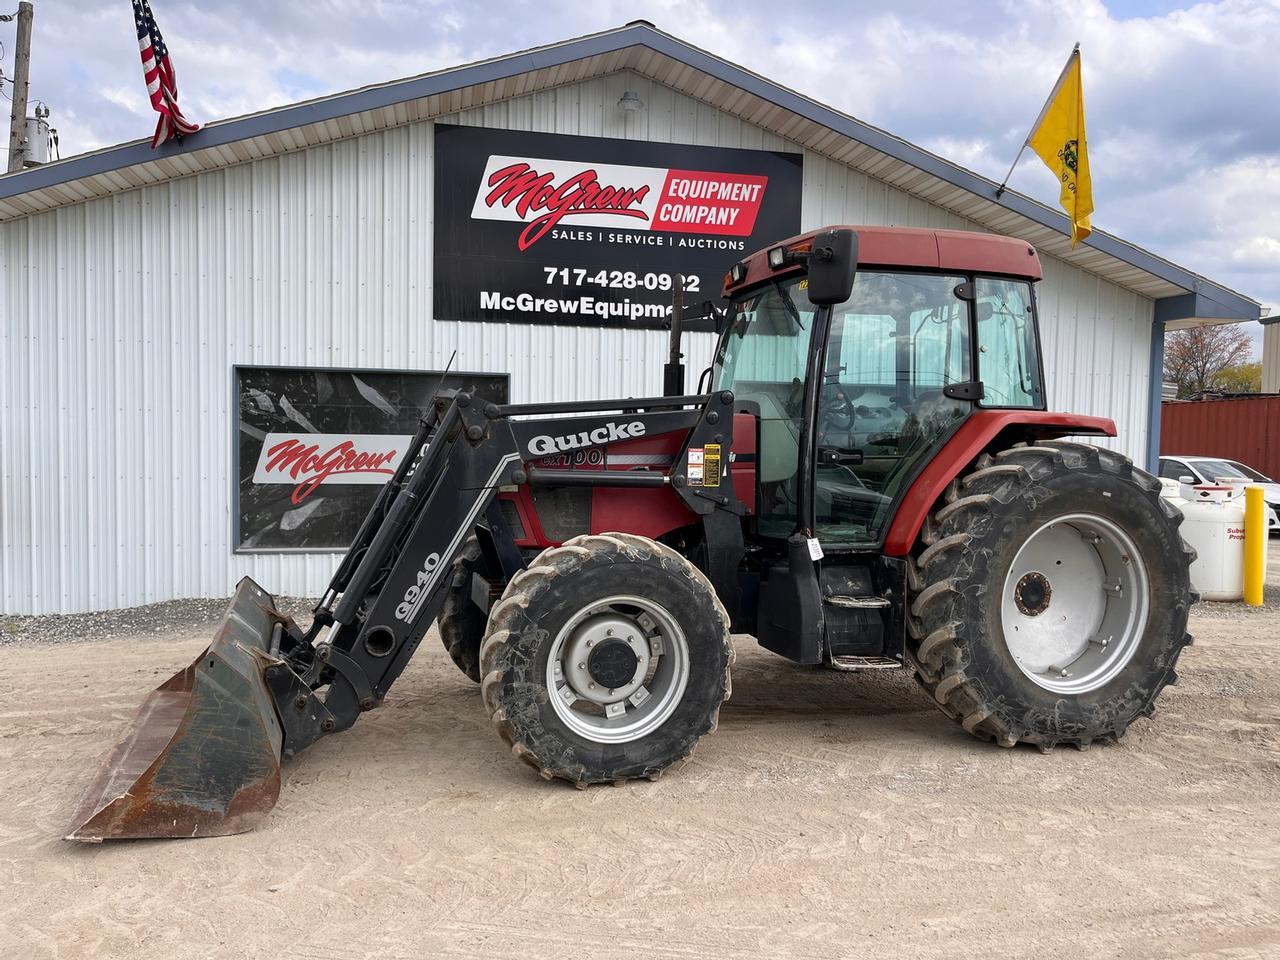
175, 616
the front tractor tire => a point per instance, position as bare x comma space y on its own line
1048, 601
606, 660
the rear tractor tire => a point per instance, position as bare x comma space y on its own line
1048, 602
606, 660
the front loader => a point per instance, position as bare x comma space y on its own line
871, 480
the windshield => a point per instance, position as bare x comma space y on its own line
1213, 470
762, 359
897, 337
763, 356
1249, 472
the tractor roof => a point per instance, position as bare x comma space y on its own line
911, 248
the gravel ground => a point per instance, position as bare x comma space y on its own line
831, 815
164, 618
1231, 610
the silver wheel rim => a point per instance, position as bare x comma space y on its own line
628, 710
1075, 603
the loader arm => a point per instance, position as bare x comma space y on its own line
393, 594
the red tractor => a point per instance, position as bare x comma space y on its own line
871, 478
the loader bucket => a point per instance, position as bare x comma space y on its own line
202, 755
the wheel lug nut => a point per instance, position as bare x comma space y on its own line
609, 632
591, 643
582, 665
591, 686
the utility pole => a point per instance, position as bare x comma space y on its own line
21, 84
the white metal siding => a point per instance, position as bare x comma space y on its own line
124, 315
1271, 358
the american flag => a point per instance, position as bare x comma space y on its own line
162, 84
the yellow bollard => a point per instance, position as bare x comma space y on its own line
1255, 546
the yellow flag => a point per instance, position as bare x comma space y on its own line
1058, 138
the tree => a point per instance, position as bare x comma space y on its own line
1240, 378
1196, 359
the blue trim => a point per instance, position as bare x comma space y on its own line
1155, 394
1200, 304
1220, 301
1175, 308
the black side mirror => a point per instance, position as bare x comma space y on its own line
985, 311
721, 315
832, 264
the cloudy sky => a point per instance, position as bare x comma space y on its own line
1184, 121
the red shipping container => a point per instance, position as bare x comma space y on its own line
1246, 429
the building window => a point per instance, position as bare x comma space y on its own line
315, 445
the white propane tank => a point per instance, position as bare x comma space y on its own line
1214, 526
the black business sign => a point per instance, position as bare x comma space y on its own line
315, 446
589, 231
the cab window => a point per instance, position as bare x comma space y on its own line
763, 360
1008, 358
893, 347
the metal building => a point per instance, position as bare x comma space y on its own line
1270, 355
134, 284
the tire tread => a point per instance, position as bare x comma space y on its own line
531, 585
936, 637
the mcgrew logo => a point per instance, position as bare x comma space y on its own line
536, 193
544, 444
308, 460
543, 193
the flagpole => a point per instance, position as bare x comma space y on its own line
1048, 100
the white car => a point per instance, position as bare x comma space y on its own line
1213, 469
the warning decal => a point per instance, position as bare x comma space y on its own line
711, 465
696, 457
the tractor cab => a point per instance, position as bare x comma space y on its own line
859, 366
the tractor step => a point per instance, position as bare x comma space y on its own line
850, 663
854, 626
857, 603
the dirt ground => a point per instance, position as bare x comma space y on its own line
832, 815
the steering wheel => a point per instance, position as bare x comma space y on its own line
836, 406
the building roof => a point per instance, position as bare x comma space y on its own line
639, 47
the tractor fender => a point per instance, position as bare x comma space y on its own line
984, 430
